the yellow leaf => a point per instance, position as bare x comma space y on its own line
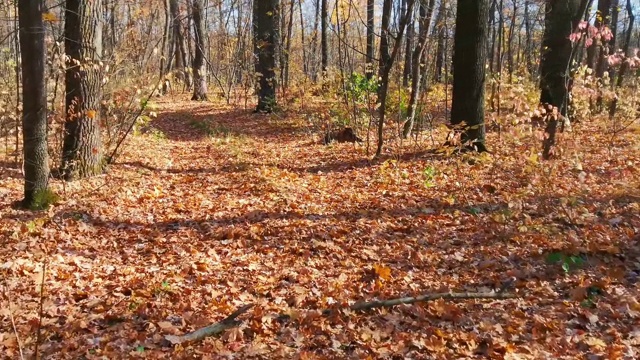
49, 17
91, 114
382, 271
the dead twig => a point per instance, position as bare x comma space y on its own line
424, 298
13, 325
213, 329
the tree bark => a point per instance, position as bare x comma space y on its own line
265, 39
34, 116
199, 66
469, 58
323, 37
82, 153
408, 58
426, 12
386, 62
627, 42
561, 19
594, 51
440, 48
179, 51
371, 38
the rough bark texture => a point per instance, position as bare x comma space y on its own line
561, 19
82, 149
34, 117
469, 58
265, 40
199, 66
371, 38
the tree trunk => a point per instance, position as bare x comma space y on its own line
34, 116
426, 12
323, 37
469, 58
199, 66
386, 62
265, 39
561, 19
82, 148
165, 64
602, 19
627, 42
408, 58
528, 48
613, 43
371, 38
179, 51
440, 48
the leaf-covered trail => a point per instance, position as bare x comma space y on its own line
217, 208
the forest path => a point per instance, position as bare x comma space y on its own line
219, 207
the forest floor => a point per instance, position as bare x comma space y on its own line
215, 208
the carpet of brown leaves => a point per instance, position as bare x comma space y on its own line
218, 208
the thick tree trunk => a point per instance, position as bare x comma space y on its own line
34, 116
371, 38
469, 58
199, 66
82, 149
561, 19
265, 40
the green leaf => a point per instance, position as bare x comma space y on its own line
565, 267
140, 348
555, 257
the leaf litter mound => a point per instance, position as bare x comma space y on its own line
214, 208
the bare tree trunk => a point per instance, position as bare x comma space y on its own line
165, 54
510, 40
265, 42
557, 54
440, 46
82, 153
426, 12
627, 42
323, 37
371, 39
408, 58
199, 67
469, 62
34, 116
528, 41
386, 62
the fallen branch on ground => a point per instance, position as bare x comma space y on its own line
214, 329
230, 322
427, 297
